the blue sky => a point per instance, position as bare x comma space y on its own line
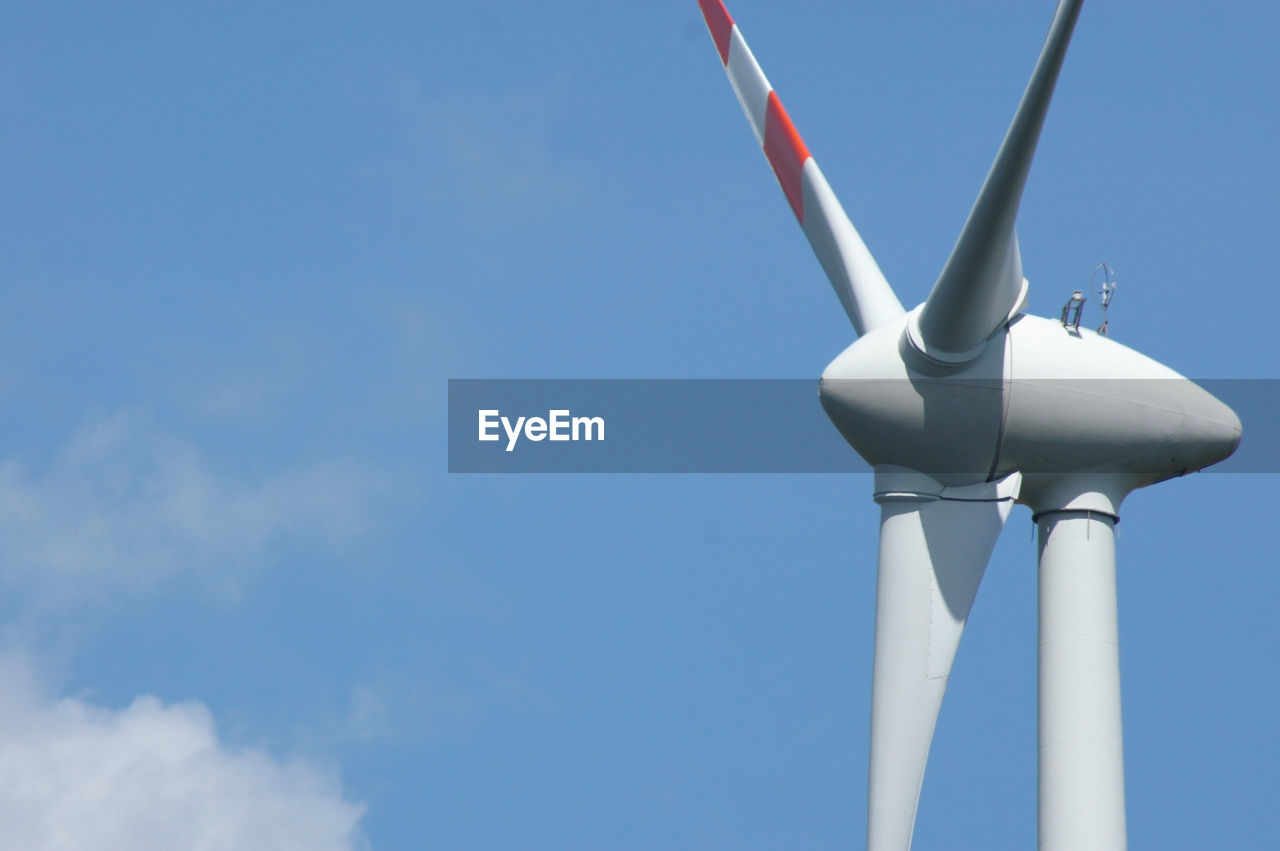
243, 250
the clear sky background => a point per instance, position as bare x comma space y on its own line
243, 249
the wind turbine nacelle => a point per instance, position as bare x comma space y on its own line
1039, 398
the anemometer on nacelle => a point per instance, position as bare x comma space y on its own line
1075, 305
1105, 290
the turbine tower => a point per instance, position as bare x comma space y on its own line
964, 406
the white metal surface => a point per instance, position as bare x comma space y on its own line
982, 279
934, 547
1080, 402
1040, 399
1081, 792
749, 83
863, 291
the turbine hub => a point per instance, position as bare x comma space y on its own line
1038, 398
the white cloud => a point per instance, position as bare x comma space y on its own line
151, 776
123, 505
367, 717
496, 154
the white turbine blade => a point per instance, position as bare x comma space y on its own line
981, 283
934, 546
857, 280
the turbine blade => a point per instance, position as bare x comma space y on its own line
981, 283
857, 280
934, 546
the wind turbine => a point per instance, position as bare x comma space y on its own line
964, 406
